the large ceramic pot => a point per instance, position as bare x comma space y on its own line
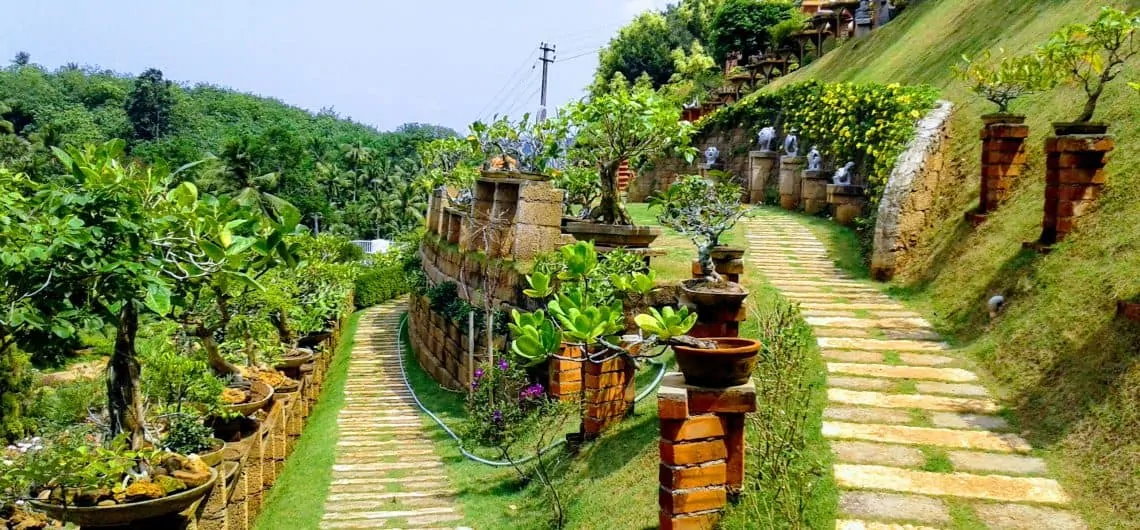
260, 394
124, 514
730, 364
1003, 117
295, 361
1067, 128
712, 297
613, 235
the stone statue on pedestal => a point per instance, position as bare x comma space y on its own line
843, 175
711, 155
814, 159
766, 137
792, 144
863, 13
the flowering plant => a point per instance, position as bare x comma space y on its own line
502, 406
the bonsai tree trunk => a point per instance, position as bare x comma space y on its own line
213, 355
124, 399
281, 320
610, 210
1090, 105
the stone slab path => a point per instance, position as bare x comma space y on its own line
917, 438
386, 473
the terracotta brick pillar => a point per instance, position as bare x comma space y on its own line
565, 377
702, 450
790, 167
608, 394
1003, 157
1074, 178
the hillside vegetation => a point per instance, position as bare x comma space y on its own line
1068, 364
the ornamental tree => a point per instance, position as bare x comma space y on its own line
743, 26
626, 123
1005, 80
702, 210
1093, 55
150, 105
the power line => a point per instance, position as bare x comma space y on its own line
503, 92
583, 54
522, 96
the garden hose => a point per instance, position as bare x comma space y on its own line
459, 443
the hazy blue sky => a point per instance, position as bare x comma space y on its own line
381, 62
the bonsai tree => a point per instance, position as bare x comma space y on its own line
625, 123
582, 189
702, 210
1093, 55
1005, 80
527, 146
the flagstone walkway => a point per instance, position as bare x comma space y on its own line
386, 473
918, 440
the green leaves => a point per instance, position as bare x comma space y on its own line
535, 337
579, 259
540, 286
158, 299
666, 323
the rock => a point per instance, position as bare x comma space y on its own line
170, 484
143, 490
92, 497
194, 472
106, 503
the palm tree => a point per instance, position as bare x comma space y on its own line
357, 155
238, 174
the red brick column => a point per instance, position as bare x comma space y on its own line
565, 377
1074, 178
718, 322
702, 450
608, 394
1003, 157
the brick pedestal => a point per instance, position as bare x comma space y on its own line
790, 169
1003, 157
1074, 178
608, 394
760, 166
702, 450
813, 192
846, 203
565, 382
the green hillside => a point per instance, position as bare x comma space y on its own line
1068, 363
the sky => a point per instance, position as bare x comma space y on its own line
380, 62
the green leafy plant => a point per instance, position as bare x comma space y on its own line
535, 337
525, 146
578, 261
1005, 80
666, 323
1092, 55
187, 435
582, 189
702, 210
638, 283
540, 285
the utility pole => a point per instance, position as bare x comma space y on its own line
546, 60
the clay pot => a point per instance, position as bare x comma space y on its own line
213, 457
125, 514
999, 117
294, 361
1068, 128
613, 235
713, 298
260, 392
730, 364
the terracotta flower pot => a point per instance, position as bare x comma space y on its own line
1067, 128
613, 235
730, 364
125, 514
714, 298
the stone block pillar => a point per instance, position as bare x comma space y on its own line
436, 203
1074, 179
701, 450
790, 168
609, 394
813, 192
1003, 157
846, 202
538, 219
760, 166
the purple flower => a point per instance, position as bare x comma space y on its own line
497, 416
478, 374
503, 364
534, 391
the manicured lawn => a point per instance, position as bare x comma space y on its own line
297, 499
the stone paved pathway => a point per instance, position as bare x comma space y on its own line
917, 438
386, 473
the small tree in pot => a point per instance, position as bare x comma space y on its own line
702, 210
1093, 55
626, 123
1003, 81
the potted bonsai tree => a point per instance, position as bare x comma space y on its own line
1003, 81
520, 150
705, 211
1091, 56
634, 124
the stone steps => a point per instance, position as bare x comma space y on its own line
898, 398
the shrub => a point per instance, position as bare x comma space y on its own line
63, 407
186, 434
15, 383
744, 26
868, 123
380, 283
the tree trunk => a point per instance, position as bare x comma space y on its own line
1090, 105
124, 399
610, 210
281, 320
219, 363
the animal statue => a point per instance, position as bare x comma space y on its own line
996, 305
766, 137
814, 159
711, 155
792, 144
843, 175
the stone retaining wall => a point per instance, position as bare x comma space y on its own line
441, 346
914, 197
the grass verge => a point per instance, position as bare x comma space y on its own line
297, 499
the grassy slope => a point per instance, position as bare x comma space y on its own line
297, 500
1068, 365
